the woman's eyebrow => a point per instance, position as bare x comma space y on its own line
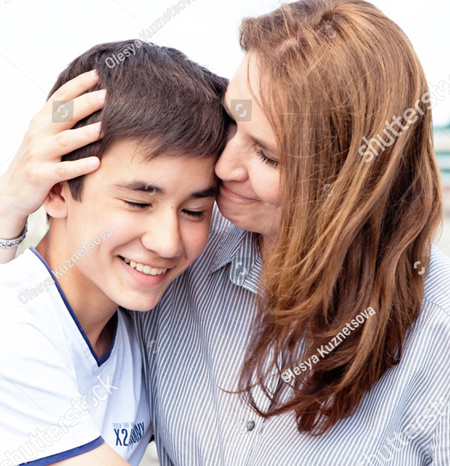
266, 147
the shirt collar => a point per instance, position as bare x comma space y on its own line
240, 249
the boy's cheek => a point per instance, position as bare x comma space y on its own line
199, 239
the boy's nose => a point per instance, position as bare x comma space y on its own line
164, 238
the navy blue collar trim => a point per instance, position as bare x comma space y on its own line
101, 360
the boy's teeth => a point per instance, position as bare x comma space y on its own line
146, 269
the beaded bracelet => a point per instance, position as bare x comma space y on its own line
13, 243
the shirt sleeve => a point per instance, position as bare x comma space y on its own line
43, 417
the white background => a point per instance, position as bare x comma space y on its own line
39, 38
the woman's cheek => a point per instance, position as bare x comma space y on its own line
267, 185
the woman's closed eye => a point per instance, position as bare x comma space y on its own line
265, 159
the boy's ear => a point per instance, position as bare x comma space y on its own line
55, 202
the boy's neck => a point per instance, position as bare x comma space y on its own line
92, 308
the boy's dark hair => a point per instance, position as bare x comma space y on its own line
156, 96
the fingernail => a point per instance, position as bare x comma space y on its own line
99, 127
93, 163
102, 95
94, 74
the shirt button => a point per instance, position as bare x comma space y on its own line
250, 425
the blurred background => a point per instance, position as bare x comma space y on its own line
39, 39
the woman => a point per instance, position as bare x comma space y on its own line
334, 192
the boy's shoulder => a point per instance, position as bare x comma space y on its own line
10, 272
26, 286
17, 275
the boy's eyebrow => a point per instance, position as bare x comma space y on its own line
141, 186
263, 145
211, 191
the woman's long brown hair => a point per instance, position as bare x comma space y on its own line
354, 224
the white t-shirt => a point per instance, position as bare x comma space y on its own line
57, 399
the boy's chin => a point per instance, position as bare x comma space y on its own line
142, 305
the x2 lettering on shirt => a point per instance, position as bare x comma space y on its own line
128, 433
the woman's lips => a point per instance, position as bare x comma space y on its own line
234, 195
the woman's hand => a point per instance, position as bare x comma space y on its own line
37, 166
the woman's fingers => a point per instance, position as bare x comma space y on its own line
64, 171
68, 105
87, 104
68, 114
70, 140
75, 87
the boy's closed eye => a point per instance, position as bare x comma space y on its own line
145, 206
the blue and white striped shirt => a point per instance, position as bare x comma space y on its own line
194, 343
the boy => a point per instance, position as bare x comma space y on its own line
70, 364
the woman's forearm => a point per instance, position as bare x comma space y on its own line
11, 227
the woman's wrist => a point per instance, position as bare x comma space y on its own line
8, 243
12, 221
11, 226
11, 230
